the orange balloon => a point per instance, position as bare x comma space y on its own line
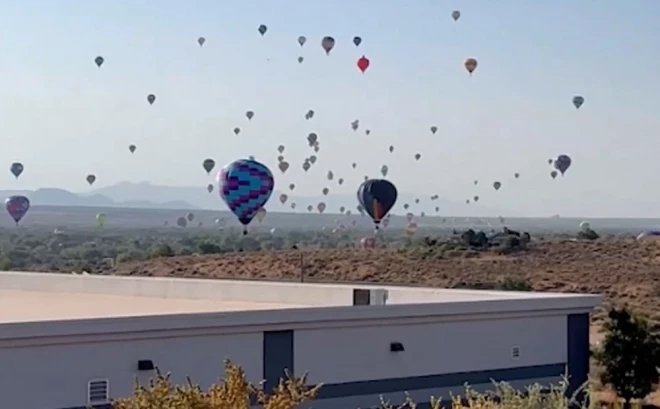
470, 65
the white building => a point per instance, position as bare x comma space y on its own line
67, 341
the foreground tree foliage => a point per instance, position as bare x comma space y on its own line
235, 392
630, 355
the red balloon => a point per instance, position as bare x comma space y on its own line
363, 63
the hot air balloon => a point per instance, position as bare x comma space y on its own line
312, 159
475, 198
306, 165
434, 129
280, 149
16, 169
151, 98
357, 41
340, 181
383, 170
17, 207
578, 100
320, 207
368, 243
355, 124
328, 43
292, 186
516, 175
584, 226
409, 216
562, 163
325, 191
406, 206
91, 179
262, 29
476, 182
249, 115
209, 187
309, 115
312, 138
190, 216
99, 61
261, 214
418, 156
377, 197
132, 148
101, 218
310, 208
208, 165
330, 175
181, 222
367, 132
391, 149
553, 174
497, 185
201, 41
455, 15
363, 63
293, 205
411, 228
237, 131
416, 201
342, 209
354, 165
245, 186
470, 65
302, 40
283, 198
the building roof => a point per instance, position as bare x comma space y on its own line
45, 305
30, 306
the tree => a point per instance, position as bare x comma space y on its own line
630, 355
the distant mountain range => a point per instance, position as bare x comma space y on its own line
146, 195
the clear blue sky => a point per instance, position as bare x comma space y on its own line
64, 118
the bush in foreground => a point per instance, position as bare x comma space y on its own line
235, 392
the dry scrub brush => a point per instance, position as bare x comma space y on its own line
235, 392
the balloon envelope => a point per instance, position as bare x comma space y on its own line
377, 197
17, 207
16, 169
245, 185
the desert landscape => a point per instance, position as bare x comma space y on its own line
624, 270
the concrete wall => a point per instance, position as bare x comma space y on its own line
56, 376
353, 362
237, 290
363, 353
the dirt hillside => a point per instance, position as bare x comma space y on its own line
623, 270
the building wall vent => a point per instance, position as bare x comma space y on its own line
378, 296
98, 391
515, 352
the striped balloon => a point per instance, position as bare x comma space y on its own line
245, 185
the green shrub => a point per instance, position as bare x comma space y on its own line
630, 355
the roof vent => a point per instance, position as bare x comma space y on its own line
98, 391
372, 296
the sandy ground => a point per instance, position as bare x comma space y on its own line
623, 270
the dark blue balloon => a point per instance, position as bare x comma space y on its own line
377, 197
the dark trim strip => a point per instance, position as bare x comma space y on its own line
383, 386
278, 357
577, 348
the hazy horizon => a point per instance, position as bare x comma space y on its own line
65, 118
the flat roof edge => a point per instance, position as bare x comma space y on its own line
569, 304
